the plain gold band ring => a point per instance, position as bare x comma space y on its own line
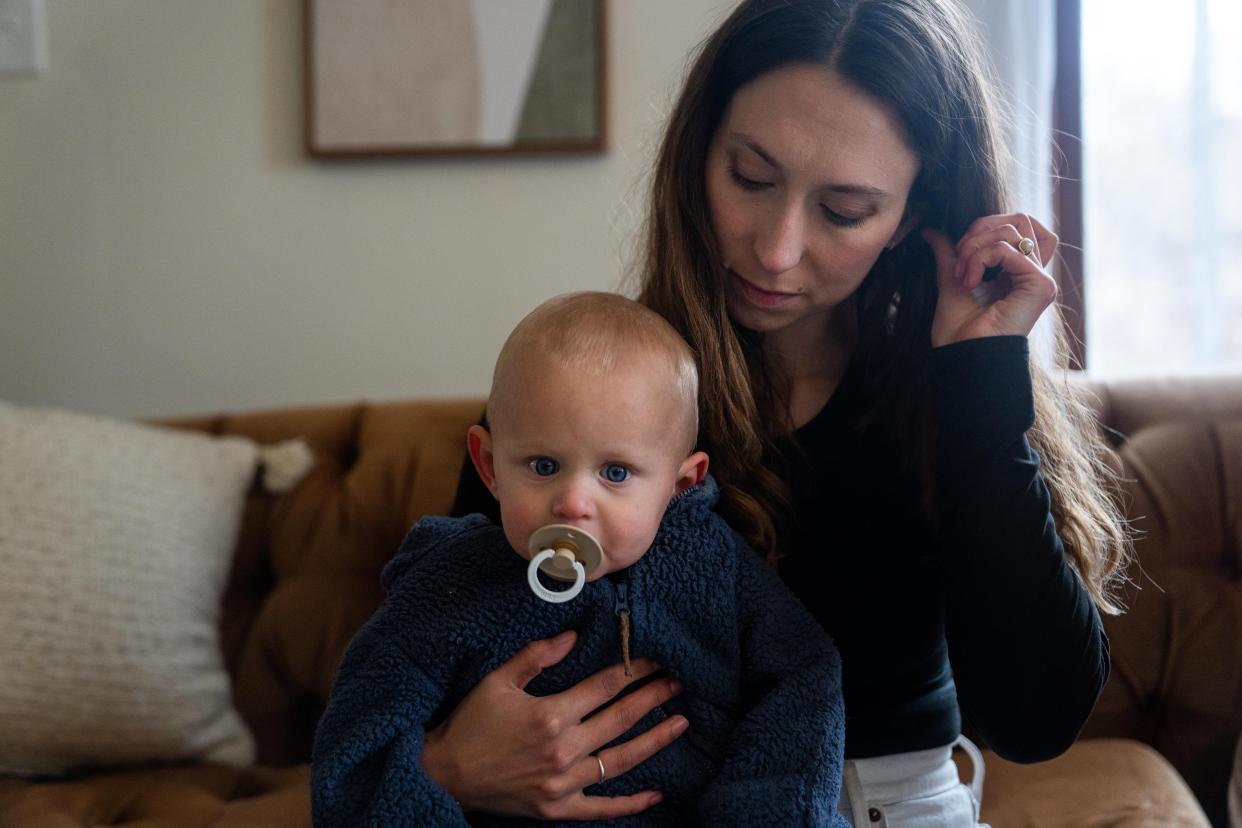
1025, 245
602, 773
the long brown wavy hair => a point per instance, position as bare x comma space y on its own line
918, 58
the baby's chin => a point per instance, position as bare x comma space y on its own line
604, 569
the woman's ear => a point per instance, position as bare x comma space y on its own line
479, 444
693, 470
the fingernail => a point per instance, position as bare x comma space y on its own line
679, 726
657, 798
676, 686
563, 637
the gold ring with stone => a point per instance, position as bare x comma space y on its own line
1025, 245
602, 773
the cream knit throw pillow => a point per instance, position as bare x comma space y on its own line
115, 543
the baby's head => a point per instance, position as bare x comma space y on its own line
592, 421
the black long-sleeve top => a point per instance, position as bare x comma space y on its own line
979, 608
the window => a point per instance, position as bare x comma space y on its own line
1161, 104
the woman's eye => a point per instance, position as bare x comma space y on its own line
747, 183
544, 466
841, 221
616, 473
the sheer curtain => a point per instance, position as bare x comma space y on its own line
1021, 43
1020, 39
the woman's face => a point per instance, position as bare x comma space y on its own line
807, 181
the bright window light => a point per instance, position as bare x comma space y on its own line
1162, 158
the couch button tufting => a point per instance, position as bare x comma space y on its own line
874, 814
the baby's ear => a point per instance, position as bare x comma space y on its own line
479, 444
693, 470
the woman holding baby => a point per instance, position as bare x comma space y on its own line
830, 232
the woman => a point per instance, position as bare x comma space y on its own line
827, 230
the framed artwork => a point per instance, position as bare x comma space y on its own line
447, 77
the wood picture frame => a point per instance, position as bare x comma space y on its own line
455, 77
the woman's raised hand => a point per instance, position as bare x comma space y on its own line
970, 308
506, 752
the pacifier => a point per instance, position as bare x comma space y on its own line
563, 553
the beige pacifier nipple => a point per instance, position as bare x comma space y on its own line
564, 553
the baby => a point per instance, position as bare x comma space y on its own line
592, 422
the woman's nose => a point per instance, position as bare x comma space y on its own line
779, 244
572, 502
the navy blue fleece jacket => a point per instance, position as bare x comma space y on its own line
762, 680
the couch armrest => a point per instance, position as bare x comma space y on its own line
1121, 783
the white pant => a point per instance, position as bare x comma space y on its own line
920, 788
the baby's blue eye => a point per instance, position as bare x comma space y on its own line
616, 473
544, 466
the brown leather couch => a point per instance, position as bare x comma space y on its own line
305, 577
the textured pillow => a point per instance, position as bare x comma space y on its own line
115, 544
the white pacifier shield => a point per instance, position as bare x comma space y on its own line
564, 553
555, 536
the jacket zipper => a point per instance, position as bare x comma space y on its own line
623, 614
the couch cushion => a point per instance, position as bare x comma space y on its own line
115, 543
1177, 652
1117, 783
1127, 407
306, 568
188, 797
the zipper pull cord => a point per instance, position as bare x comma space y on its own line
623, 612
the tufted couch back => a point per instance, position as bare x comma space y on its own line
305, 574
306, 569
1177, 652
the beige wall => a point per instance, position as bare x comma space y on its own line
166, 247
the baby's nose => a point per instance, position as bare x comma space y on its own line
572, 503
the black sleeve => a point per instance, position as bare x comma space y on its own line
472, 496
1026, 644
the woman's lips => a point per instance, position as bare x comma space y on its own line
758, 296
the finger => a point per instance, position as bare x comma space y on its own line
1045, 240
984, 238
1027, 230
600, 688
534, 658
621, 759
986, 223
618, 718
942, 249
1000, 253
606, 807
617, 760
570, 782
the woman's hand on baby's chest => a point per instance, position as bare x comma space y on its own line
504, 751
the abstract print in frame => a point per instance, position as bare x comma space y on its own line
437, 77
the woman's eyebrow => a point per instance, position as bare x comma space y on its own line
752, 145
846, 189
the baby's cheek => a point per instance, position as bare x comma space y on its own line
643, 531
517, 530
517, 539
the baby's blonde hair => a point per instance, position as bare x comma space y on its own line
593, 333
